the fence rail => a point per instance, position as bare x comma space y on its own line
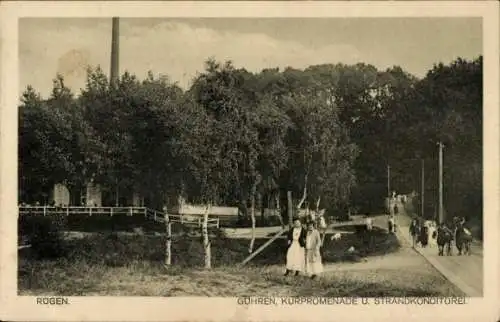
148, 213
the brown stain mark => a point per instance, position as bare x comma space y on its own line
73, 65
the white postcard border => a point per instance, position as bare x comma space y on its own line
15, 307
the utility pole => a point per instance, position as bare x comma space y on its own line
389, 200
388, 181
422, 199
115, 50
441, 212
113, 75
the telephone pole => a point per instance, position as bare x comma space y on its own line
113, 74
422, 200
441, 210
115, 50
388, 181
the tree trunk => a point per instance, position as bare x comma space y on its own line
117, 196
253, 194
306, 177
168, 244
206, 241
290, 208
252, 217
260, 202
278, 209
304, 194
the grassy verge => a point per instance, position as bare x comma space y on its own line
112, 249
132, 265
151, 279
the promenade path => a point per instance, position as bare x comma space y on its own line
466, 272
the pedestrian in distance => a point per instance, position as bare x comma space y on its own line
444, 237
391, 224
368, 238
424, 234
368, 222
432, 234
414, 232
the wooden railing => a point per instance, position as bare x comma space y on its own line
73, 210
148, 213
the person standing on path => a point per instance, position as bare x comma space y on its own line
414, 231
313, 255
368, 222
443, 239
295, 256
424, 234
391, 224
432, 234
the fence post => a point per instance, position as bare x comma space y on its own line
111, 211
67, 211
45, 210
130, 211
154, 216
90, 211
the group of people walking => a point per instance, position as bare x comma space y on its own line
422, 232
303, 254
419, 232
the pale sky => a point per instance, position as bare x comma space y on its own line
179, 47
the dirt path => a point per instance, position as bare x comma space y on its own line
405, 257
466, 272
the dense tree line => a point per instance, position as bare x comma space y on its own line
326, 133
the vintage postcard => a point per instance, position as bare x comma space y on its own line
249, 161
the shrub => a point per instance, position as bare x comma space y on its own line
44, 233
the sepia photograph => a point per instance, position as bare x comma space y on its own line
250, 157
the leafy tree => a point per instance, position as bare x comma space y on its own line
37, 153
55, 142
451, 101
325, 133
225, 94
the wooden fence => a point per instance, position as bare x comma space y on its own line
148, 213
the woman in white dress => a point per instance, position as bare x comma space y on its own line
314, 267
295, 256
432, 233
